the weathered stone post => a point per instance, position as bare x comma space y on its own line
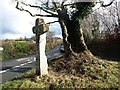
40, 30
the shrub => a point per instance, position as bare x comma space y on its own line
17, 49
105, 48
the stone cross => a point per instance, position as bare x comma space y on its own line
40, 30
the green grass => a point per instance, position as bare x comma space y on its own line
17, 49
95, 73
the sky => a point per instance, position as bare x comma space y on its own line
15, 24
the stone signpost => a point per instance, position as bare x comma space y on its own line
40, 30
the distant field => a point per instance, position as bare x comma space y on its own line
13, 49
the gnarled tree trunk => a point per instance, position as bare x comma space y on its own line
75, 37
72, 34
67, 45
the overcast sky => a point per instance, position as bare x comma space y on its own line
15, 24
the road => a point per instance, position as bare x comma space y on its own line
10, 69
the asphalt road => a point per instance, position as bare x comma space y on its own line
10, 69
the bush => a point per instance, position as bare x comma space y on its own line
104, 48
14, 49
52, 43
17, 49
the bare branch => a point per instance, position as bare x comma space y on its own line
40, 8
63, 2
54, 3
52, 22
33, 15
107, 4
103, 19
65, 5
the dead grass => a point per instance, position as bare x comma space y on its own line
83, 71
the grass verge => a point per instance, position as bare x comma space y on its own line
78, 72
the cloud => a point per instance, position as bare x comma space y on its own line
11, 36
16, 24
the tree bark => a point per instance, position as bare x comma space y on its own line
75, 37
72, 34
67, 46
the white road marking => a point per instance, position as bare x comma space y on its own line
28, 60
16, 66
55, 54
21, 59
1, 48
34, 59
